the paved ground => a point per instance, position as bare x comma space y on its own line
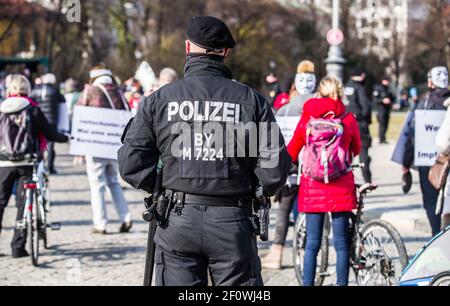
78, 258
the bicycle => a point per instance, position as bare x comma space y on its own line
441, 280
37, 206
373, 259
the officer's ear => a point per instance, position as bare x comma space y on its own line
188, 46
226, 52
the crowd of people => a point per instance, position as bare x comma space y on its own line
47, 104
298, 93
347, 106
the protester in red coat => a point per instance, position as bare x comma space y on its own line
338, 196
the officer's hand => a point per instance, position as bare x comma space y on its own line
386, 101
405, 170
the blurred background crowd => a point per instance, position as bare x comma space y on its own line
398, 38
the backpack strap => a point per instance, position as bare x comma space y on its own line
330, 113
105, 91
334, 115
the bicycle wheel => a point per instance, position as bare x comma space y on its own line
442, 279
299, 253
382, 255
33, 227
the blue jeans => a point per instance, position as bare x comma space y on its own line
430, 196
341, 233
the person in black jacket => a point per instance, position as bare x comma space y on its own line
437, 95
49, 98
18, 88
185, 123
359, 104
384, 99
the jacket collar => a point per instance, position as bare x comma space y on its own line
197, 64
440, 92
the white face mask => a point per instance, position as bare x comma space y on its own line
439, 77
305, 83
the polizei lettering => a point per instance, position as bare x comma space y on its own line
203, 111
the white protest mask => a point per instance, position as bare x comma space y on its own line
439, 76
305, 83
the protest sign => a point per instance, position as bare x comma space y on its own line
145, 76
96, 131
287, 124
427, 124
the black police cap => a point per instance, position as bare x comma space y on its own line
357, 71
210, 33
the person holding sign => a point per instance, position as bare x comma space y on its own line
438, 93
103, 92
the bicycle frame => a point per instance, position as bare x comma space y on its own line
355, 233
35, 185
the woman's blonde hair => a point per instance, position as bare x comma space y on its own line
17, 84
331, 87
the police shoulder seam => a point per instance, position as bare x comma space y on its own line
240, 83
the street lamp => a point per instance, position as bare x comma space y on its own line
335, 61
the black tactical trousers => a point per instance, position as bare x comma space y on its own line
384, 114
364, 157
203, 239
9, 176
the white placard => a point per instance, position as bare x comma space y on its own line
427, 124
146, 76
287, 124
96, 131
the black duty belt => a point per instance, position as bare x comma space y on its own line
224, 201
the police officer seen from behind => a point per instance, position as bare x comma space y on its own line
208, 227
384, 99
359, 104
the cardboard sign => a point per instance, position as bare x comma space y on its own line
96, 131
145, 76
287, 124
427, 124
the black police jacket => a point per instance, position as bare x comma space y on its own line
380, 92
180, 113
357, 101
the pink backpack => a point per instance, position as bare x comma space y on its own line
324, 157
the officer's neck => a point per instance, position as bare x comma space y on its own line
215, 57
